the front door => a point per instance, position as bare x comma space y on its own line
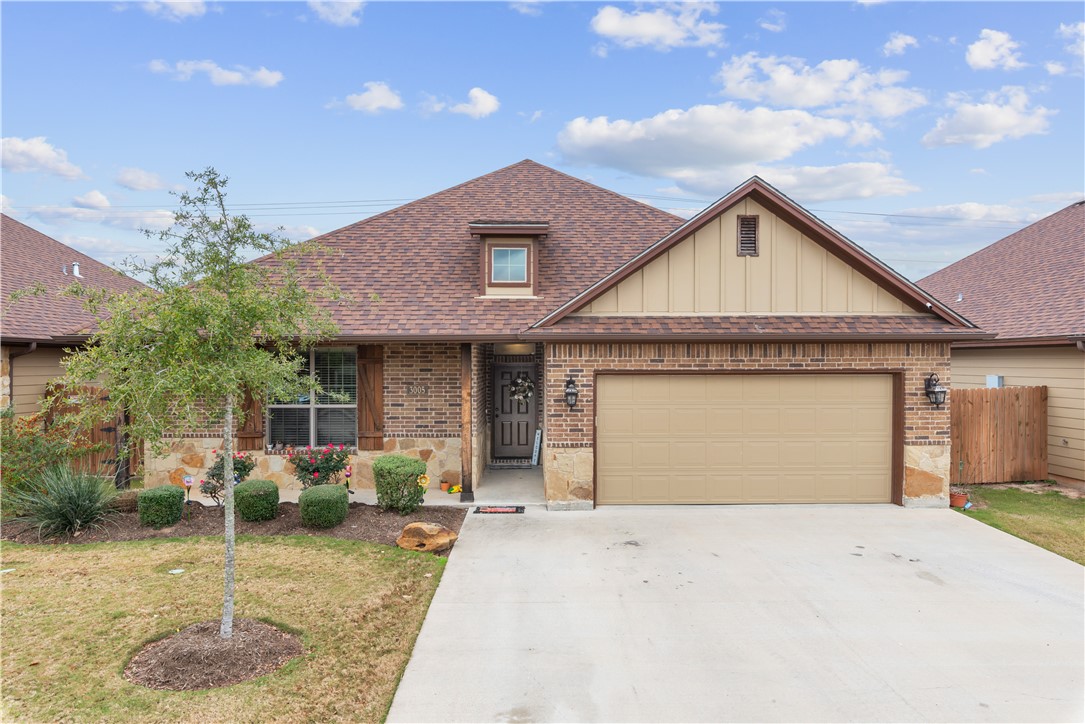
514, 419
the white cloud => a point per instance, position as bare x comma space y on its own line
175, 10
1002, 115
1075, 33
293, 232
527, 7
774, 21
973, 211
673, 25
377, 97
239, 75
479, 104
338, 12
1054, 67
22, 155
898, 43
531, 117
120, 219
91, 200
431, 104
108, 251
842, 87
863, 180
1062, 198
7, 205
994, 49
136, 179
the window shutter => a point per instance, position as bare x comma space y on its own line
747, 235
371, 397
250, 436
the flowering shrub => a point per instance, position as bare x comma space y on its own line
319, 466
214, 486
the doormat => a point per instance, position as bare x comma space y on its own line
499, 509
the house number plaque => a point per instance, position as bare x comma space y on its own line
417, 389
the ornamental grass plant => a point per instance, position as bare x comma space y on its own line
61, 501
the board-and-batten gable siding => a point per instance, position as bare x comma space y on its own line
33, 372
1062, 370
705, 275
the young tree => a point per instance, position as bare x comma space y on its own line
210, 329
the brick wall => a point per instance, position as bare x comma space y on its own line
435, 365
569, 460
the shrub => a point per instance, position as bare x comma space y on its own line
319, 466
257, 500
323, 506
161, 506
30, 446
214, 487
401, 482
60, 501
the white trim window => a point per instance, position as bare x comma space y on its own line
317, 420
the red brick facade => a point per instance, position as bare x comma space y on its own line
923, 423
433, 414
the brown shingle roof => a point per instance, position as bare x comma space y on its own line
423, 264
746, 327
28, 257
1030, 284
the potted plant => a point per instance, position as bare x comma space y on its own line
958, 496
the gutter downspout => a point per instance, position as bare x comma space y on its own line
11, 368
1081, 345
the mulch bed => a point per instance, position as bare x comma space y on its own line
364, 522
197, 658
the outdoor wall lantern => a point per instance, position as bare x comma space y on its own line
935, 392
571, 393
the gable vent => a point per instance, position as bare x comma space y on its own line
747, 235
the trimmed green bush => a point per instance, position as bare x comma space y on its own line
257, 500
161, 506
60, 501
323, 506
398, 487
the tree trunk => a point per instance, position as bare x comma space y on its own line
226, 630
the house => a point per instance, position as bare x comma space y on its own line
35, 329
1029, 289
749, 354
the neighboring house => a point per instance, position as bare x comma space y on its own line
1029, 289
35, 329
750, 354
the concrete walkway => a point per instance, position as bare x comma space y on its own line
747, 613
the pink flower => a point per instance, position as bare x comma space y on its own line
213, 452
311, 460
340, 446
316, 474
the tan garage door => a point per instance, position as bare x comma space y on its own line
744, 439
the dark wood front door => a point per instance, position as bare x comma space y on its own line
514, 421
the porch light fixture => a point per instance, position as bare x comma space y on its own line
935, 392
571, 393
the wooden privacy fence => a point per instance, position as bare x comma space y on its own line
106, 435
998, 435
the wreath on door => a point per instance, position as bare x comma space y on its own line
522, 388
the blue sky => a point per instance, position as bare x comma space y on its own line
923, 131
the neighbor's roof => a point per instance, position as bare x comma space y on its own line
28, 257
413, 271
1030, 285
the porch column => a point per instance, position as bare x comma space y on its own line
467, 493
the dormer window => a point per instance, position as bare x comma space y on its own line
510, 256
508, 265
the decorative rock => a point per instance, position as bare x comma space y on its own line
425, 454
192, 460
177, 477
426, 537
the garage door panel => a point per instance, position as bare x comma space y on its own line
724, 420
689, 421
764, 420
688, 488
735, 438
798, 488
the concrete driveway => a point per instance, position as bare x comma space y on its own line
748, 613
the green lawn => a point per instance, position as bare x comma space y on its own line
1048, 519
73, 616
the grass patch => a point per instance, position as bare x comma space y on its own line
1050, 520
74, 616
